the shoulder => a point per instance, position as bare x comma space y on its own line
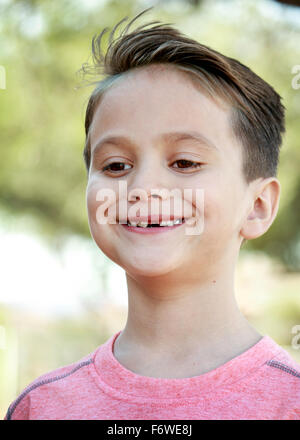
282, 373
48, 385
285, 367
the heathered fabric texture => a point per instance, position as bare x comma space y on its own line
263, 383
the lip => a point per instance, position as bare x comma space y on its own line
151, 231
153, 218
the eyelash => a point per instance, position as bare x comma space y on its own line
195, 165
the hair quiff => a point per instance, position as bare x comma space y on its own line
257, 114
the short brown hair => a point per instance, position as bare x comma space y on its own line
257, 114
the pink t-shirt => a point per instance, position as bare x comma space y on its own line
263, 383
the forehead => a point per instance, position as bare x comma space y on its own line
161, 83
157, 99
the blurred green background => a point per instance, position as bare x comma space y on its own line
60, 297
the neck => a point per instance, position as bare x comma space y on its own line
196, 324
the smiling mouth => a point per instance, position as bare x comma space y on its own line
152, 228
162, 224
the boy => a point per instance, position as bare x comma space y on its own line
174, 114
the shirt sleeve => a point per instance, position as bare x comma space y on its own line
19, 410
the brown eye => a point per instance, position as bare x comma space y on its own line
116, 166
182, 163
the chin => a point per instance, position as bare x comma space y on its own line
146, 268
146, 272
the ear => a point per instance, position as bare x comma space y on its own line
264, 206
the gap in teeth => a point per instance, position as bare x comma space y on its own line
161, 224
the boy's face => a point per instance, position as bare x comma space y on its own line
141, 107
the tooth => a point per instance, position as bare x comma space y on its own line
163, 223
176, 222
132, 223
143, 224
170, 223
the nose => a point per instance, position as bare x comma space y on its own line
147, 181
152, 203
135, 195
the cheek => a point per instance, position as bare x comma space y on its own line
101, 233
100, 202
217, 203
221, 208
92, 203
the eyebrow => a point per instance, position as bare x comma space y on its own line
174, 136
